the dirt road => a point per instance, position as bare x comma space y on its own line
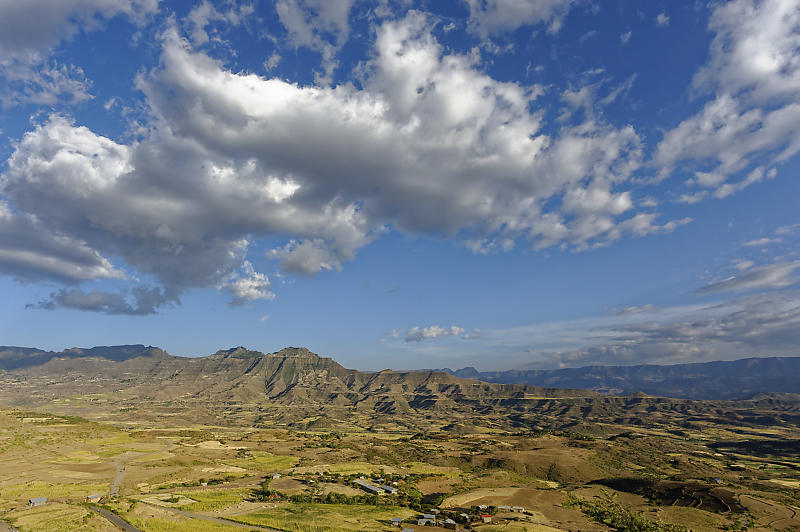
210, 518
114, 518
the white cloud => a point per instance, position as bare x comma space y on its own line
588, 99
321, 25
691, 199
759, 242
272, 61
30, 29
753, 120
635, 310
754, 50
418, 334
493, 17
248, 286
662, 19
649, 202
36, 25
625, 37
29, 252
430, 145
786, 230
779, 275
41, 82
145, 300
205, 13
755, 176
756, 325
732, 137
313, 255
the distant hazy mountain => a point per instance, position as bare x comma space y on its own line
738, 379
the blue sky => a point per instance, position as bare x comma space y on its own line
496, 183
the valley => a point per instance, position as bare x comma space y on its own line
242, 440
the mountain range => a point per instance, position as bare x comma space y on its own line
295, 388
738, 379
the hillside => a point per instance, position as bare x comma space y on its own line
296, 388
289, 386
738, 379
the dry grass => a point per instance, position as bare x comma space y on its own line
55, 517
333, 517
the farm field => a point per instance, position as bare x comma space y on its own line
203, 477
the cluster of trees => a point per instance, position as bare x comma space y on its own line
608, 511
264, 493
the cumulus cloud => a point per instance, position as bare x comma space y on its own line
35, 25
731, 136
30, 252
205, 13
28, 32
41, 82
313, 255
753, 119
144, 300
418, 334
428, 144
248, 286
492, 17
321, 25
779, 275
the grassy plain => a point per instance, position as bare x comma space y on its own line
663, 471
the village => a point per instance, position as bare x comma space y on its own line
380, 486
433, 518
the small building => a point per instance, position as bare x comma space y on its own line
276, 476
486, 518
93, 498
431, 516
408, 530
389, 489
504, 508
38, 501
396, 521
366, 486
450, 524
424, 522
518, 509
